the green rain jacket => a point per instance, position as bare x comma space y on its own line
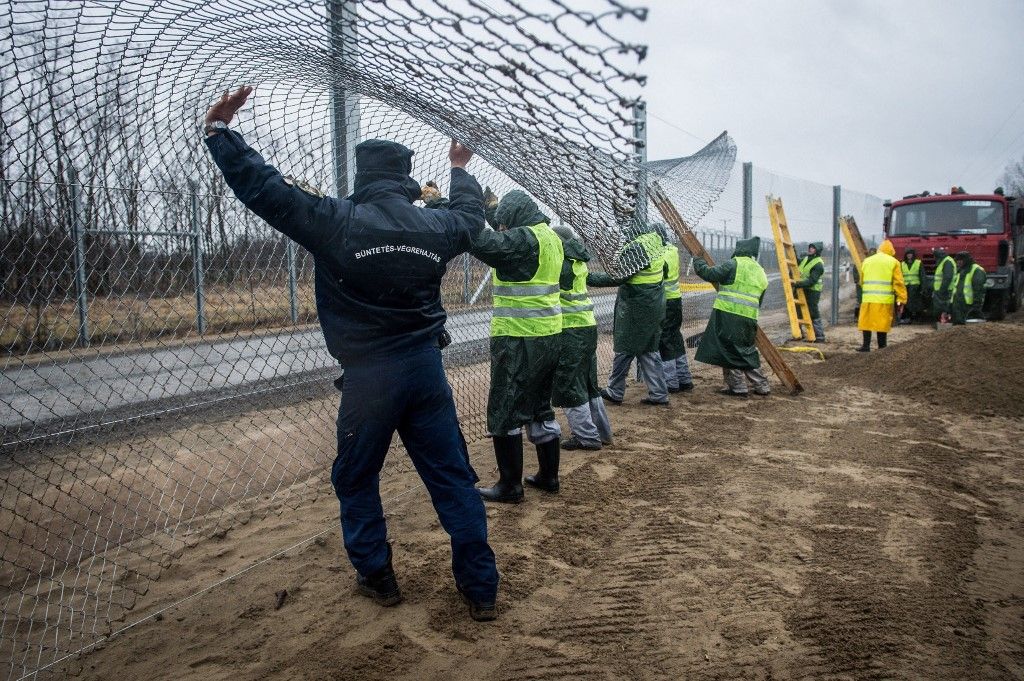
576, 376
961, 311
522, 369
729, 340
639, 308
813, 277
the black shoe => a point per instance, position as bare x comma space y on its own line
381, 586
574, 443
819, 340
732, 393
609, 398
481, 612
673, 390
508, 451
548, 454
653, 403
686, 388
863, 349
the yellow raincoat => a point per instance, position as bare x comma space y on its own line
878, 316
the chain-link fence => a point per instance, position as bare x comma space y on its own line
163, 376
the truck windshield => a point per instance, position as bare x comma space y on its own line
948, 217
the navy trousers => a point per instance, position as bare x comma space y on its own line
409, 394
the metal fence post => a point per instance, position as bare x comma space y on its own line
748, 200
345, 113
197, 259
78, 241
465, 278
837, 196
640, 155
293, 287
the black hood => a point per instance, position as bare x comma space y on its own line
378, 160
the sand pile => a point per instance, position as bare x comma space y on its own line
975, 369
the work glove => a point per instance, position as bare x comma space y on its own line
490, 198
430, 192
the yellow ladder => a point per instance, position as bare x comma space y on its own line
789, 268
854, 241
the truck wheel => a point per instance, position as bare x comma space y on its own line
996, 305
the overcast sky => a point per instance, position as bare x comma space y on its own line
885, 97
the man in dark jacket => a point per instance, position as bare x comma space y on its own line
729, 341
526, 325
639, 310
576, 389
945, 271
378, 267
812, 269
968, 289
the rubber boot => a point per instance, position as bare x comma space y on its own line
508, 451
548, 454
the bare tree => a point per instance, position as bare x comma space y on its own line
1012, 178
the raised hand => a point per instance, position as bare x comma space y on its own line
459, 155
228, 105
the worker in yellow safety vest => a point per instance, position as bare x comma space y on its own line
968, 289
942, 286
525, 326
911, 268
672, 345
882, 288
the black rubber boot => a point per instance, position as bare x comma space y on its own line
382, 586
882, 339
866, 345
508, 451
548, 455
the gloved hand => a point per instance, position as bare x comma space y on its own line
490, 198
430, 192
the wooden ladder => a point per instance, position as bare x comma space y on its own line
854, 241
789, 267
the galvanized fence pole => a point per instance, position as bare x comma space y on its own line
748, 200
78, 243
293, 284
197, 259
465, 278
837, 195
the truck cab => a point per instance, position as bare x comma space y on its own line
988, 226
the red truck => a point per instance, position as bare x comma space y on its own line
988, 226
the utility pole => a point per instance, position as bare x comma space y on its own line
341, 15
640, 156
748, 200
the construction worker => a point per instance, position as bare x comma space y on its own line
882, 287
526, 325
672, 346
730, 339
379, 261
968, 289
911, 269
639, 310
576, 389
942, 287
812, 270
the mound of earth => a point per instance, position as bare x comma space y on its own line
973, 369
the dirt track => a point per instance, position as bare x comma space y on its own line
846, 533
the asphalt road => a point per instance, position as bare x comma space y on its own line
81, 391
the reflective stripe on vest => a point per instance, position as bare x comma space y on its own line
654, 250
577, 310
912, 274
968, 283
743, 296
531, 308
876, 279
937, 284
807, 264
672, 273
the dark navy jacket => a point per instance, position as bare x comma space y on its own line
378, 258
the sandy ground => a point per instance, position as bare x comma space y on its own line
844, 533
